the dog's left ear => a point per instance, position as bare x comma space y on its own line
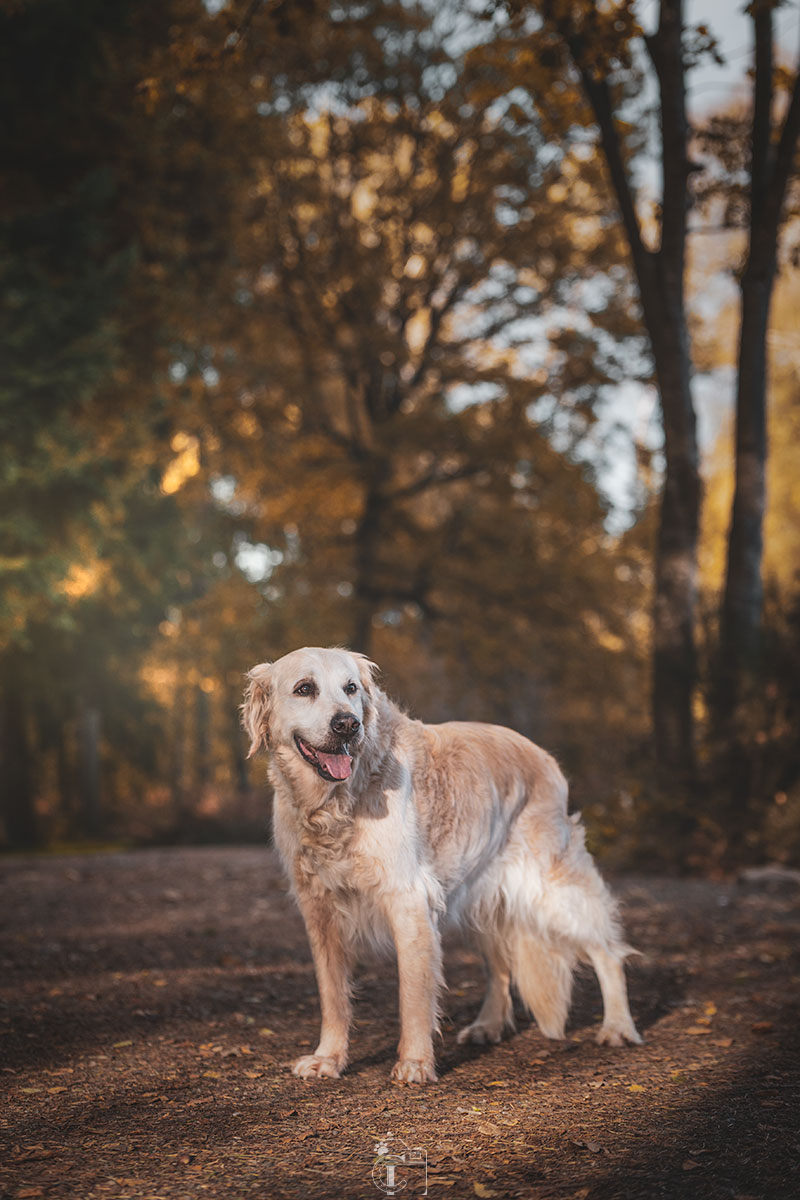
257, 707
366, 673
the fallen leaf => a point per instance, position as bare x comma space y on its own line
482, 1190
710, 1008
119, 1045
698, 1030
488, 1128
498, 1083
723, 1042
689, 1164
265, 1032
635, 1087
762, 1027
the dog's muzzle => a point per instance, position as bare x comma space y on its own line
334, 767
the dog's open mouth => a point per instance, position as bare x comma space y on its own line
332, 767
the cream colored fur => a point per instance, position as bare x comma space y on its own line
461, 822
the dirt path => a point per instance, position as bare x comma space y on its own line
151, 1001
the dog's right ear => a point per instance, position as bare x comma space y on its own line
257, 707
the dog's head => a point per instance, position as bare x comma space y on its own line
314, 703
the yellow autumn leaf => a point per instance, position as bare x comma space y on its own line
482, 1190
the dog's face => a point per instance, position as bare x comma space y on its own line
313, 704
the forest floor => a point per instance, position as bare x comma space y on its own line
151, 1002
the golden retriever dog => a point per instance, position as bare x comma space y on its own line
388, 827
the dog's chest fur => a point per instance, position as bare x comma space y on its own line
333, 848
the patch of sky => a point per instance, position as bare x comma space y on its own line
223, 490
464, 395
256, 560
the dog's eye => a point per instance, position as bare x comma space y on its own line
304, 689
350, 689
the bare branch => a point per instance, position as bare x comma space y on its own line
433, 479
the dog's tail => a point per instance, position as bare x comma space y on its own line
542, 974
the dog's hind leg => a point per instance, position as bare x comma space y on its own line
496, 1012
618, 1026
581, 915
542, 975
579, 911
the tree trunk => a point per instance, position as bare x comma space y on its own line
367, 548
238, 760
741, 608
660, 276
65, 774
674, 658
771, 164
91, 816
202, 729
177, 763
18, 811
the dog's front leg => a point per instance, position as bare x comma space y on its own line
419, 969
332, 966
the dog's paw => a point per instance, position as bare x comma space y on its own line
413, 1070
314, 1066
618, 1035
479, 1034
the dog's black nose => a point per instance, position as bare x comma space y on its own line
345, 724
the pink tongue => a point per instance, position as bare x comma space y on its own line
337, 765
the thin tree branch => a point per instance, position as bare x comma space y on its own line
599, 96
432, 479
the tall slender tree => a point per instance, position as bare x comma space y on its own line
772, 148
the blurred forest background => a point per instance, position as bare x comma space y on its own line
372, 323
